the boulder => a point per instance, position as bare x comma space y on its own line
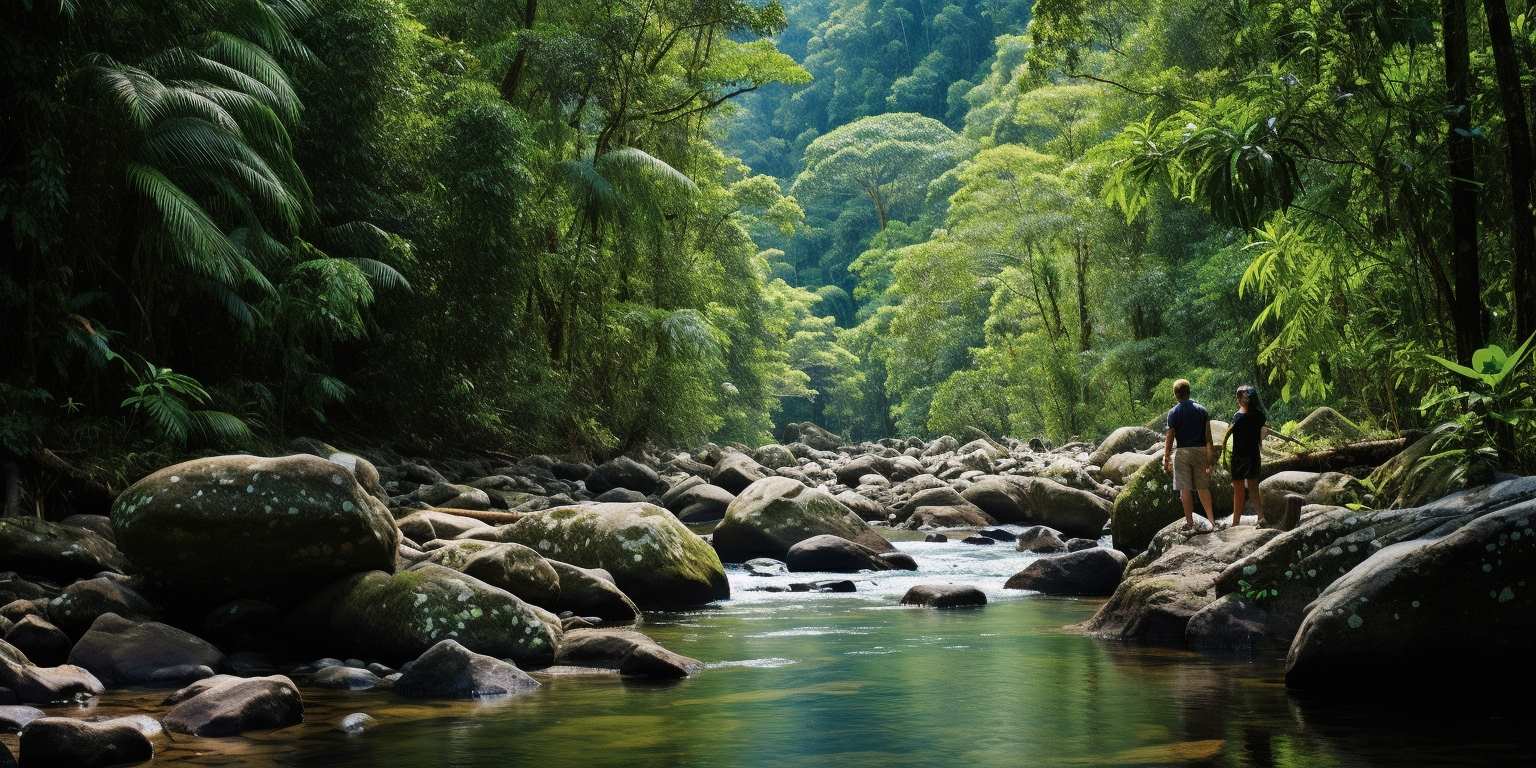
1040, 501
121, 652
396, 617
1123, 440
37, 548
14, 717
863, 506
228, 706
1077, 545
775, 513
1122, 465
1452, 606
1298, 565
1232, 624
944, 596
67, 742
1324, 423
736, 471
1329, 488
899, 561
958, 516
100, 525
1171, 581
623, 472
241, 526
700, 503
813, 436
867, 464
343, 678
448, 670
833, 554
1041, 540
1148, 503
512, 567
584, 593
653, 557
631, 653
81, 603
774, 456
1417, 475
30, 684
13, 588
427, 524
44, 644
1088, 573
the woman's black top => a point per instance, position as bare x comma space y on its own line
1247, 434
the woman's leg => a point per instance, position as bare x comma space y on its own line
1258, 498
1239, 500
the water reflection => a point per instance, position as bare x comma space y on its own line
858, 683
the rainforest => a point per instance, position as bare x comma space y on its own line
606, 361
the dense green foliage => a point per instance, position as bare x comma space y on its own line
585, 225
447, 225
1296, 196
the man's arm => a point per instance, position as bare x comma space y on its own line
1168, 451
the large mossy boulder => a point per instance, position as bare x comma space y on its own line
775, 513
653, 557
1040, 501
227, 527
396, 617
513, 567
623, 472
1171, 581
1457, 608
54, 551
1123, 440
1148, 503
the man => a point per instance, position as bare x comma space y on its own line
1189, 453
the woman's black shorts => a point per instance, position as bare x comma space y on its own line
1245, 467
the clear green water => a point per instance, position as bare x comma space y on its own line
823, 680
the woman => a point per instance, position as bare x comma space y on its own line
1247, 435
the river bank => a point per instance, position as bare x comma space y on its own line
243, 587
806, 680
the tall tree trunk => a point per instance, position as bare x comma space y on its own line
1084, 324
1517, 132
514, 76
1467, 310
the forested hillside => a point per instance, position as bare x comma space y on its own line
585, 226
1110, 196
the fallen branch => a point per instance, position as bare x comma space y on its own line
1370, 453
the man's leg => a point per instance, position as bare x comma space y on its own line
1239, 500
1188, 497
1209, 505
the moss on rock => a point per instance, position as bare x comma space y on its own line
227, 527
397, 617
653, 557
1148, 502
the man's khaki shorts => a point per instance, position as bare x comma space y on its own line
1189, 466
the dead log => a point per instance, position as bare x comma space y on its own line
493, 518
1370, 453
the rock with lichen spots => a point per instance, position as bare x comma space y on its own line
775, 513
54, 551
1148, 503
228, 527
396, 617
1462, 604
653, 557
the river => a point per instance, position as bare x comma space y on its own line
856, 681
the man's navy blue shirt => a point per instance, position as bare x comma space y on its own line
1188, 420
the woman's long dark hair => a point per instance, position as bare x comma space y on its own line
1255, 403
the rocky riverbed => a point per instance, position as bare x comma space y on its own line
237, 584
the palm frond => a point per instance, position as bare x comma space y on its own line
255, 61
221, 426
646, 164
381, 274
201, 244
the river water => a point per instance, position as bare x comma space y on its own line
856, 681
